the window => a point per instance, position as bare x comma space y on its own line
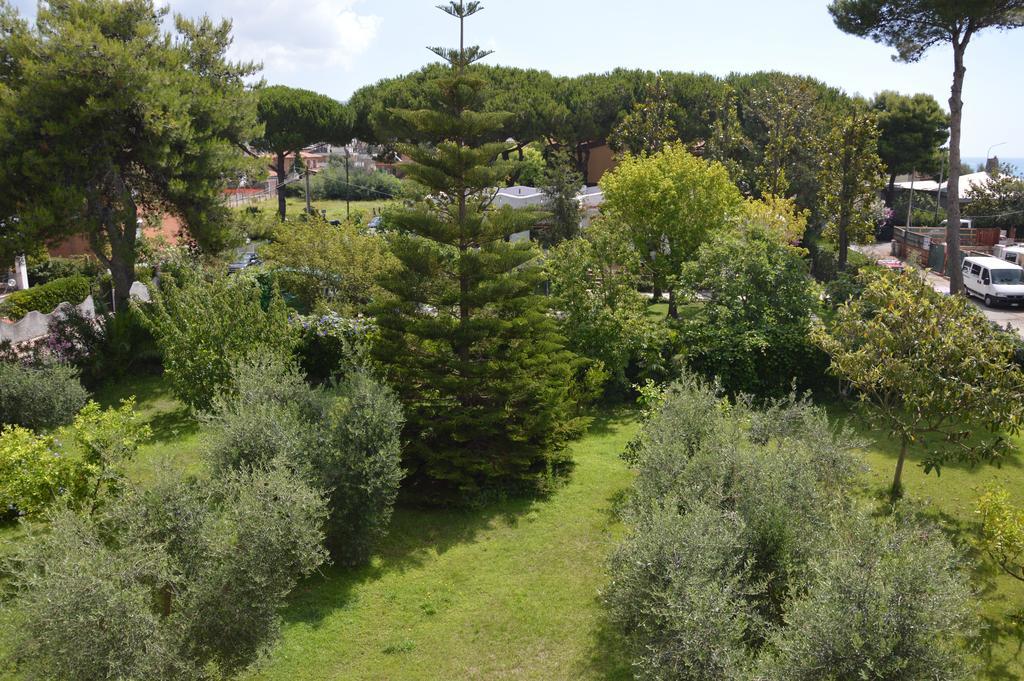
1008, 276
975, 269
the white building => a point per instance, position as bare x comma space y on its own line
589, 198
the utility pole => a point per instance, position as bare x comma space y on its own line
348, 189
910, 209
309, 207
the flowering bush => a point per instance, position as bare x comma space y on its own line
332, 344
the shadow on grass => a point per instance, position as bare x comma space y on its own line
608, 657
171, 425
417, 536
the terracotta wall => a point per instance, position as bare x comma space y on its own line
169, 229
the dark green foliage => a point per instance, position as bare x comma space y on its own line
747, 557
293, 118
164, 113
464, 334
912, 129
39, 397
650, 126
183, 580
46, 297
343, 440
47, 269
561, 186
103, 347
754, 330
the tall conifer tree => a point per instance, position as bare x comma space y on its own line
465, 335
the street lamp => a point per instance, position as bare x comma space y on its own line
988, 154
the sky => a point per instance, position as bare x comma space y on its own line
337, 46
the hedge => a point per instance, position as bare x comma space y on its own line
46, 297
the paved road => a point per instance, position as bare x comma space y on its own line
1012, 317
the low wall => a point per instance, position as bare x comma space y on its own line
36, 324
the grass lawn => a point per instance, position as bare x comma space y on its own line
508, 592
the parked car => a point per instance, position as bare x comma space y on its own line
993, 280
245, 260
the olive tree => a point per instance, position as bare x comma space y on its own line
181, 580
931, 368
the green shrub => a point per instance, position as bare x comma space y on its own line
363, 469
203, 328
183, 580
754, 330
747, 557
602, 316
45, 270
46, 297
344, 440
34, 472
103, 347
39, 397
888, 597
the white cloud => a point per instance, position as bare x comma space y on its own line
290, 37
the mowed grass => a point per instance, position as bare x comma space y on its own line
505, 592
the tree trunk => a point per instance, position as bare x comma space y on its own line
897, 480
844, 246
890, 192
956, 105
673, 309
282, 206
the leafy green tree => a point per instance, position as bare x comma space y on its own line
109, 121
1002, 531
34, 473
670, 203
1000, 203
293, 119
561, 186
785, 118
649, 127
850, 174
911, 129
930, 368
594, 280
182, 580
464, 333
754, 331
322, 264
202, 328
912, 28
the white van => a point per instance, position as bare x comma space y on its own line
994, 280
